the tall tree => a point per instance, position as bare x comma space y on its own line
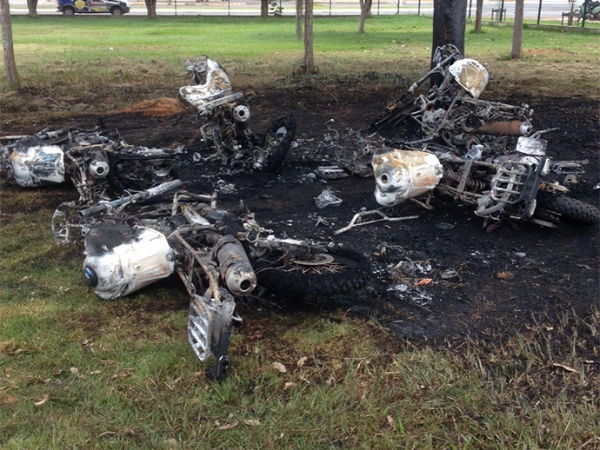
12, 76
478, 15
517, 31
32, 7
309, 61
151, 8
449, 22
299, 16
264, 8
365, 11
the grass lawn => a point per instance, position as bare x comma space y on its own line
77, 372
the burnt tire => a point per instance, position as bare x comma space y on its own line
277, 142
570, 209
281, 280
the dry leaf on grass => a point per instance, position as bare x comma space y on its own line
42, 401
252, 422
567, 368
122, 374
391, 422
229, 426
301, 361
279, 366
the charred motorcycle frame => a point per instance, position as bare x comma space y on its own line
479, 152
138, 239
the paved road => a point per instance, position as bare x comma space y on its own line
551, 9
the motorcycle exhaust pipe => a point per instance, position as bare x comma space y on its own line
510, 128
234, 266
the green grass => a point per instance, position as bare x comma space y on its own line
77, 372
55, 52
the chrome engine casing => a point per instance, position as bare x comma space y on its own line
404, 174
121, 259
38, 165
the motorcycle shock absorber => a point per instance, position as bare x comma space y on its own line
472, 184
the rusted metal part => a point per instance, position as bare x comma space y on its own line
200, 257
234, 266
209, 330
404, 174
510, 128
383, 218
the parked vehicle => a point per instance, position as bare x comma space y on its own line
483, 153
590, 10
114, 7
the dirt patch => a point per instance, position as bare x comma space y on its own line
159, 107
440, 277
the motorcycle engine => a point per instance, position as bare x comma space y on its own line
122, 259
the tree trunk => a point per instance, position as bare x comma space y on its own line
449, 22
299, 15
264, 8
517, 31
363, 16
32, 7
151, 8
478, 16
12, 76
369, 4
309, 62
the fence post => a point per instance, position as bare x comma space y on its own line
585, 7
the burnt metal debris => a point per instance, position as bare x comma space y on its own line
136, 240
101, 165
140, 224
225, 117
485, 154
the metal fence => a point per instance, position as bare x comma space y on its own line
562, 12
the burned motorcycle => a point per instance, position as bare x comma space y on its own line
510, 187
98, 164
136, 240
482, 153
225, 117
